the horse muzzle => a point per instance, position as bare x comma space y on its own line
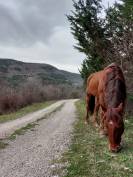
116, 149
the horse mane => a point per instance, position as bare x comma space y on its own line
115, 87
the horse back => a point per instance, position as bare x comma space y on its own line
93, 83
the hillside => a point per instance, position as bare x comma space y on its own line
15, 72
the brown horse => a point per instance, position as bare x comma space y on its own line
109, 89
92, 104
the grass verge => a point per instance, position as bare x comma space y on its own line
24, 111
3, 144
89, 155
22, 130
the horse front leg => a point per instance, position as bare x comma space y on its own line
103, 129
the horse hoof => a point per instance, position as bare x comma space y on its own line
86, 122
96, 125
103, 134
115, 149
118, 149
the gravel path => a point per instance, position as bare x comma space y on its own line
6, 129
32, 154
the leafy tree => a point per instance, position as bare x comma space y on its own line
126, 8
119, 29
89, 66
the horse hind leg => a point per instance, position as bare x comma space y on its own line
89, 107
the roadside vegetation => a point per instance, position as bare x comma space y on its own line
13, 99
22, 130
3, 144
89, 155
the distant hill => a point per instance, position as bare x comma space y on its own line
15, 72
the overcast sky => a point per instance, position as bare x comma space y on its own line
38, 31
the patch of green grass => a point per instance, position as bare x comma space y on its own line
48, 114
3, 145
22, 130
130, 96
23, 111
89, 155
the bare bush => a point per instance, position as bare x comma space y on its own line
12, 99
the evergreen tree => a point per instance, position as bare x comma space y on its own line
85, 24
88, 29
90, 66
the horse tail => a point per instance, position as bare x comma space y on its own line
91, 98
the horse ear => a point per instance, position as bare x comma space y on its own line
119, 109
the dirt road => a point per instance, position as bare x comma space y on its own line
6, 129
32, 154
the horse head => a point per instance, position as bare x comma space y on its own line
115, 127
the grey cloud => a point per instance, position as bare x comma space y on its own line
31, 21
25, 22
12, 29
38, 31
